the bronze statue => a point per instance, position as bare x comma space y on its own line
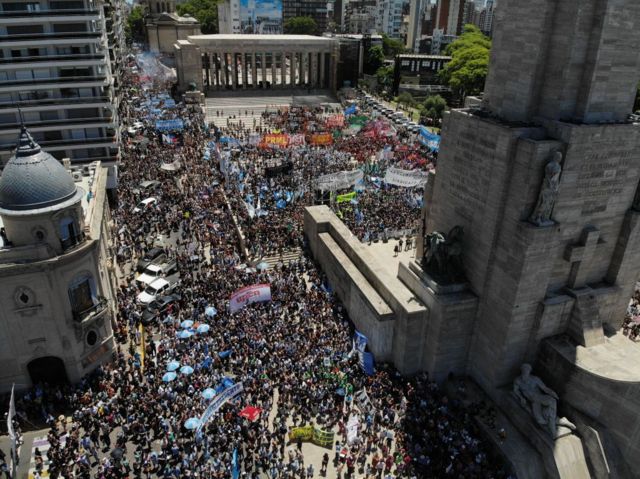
443, 255
541, 215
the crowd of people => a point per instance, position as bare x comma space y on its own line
293, 354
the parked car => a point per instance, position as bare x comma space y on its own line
159, 287
147, 186
157, 270
158, 306
145, 204
153, 255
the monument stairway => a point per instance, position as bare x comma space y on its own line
285, 258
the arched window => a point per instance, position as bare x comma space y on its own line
82, 296
69, 234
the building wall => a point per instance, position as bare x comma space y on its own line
74, 118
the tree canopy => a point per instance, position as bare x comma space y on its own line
384, 75
391, 46
432, 107
134, 29
205, 11
406, 98
301, 26
374, 60
467, 70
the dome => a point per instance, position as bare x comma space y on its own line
33, 180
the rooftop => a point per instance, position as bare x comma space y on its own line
275, 40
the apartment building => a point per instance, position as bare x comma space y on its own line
59, 64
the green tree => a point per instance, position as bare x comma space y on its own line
205, 11
374, 60
301, 26
134, 29
391, 46
406, 98
432, 107
384, 76
466, 72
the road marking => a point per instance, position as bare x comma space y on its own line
43, 445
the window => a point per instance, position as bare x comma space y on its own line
82, 295
69, 233
92, 338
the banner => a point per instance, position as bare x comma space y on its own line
339, 180
248, 295
235, 465
350, 110
283, 169
217, 403
352, 429
335, 121
364, 358
296, 139
346, 197
321, 139
363, 402
358, 120
166, 125
276, 139
317, 436
406, 178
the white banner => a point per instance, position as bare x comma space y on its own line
339, 180
352, 429
218, 402
248, 295
407, 178
296, 139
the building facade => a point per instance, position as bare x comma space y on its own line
56, 66
316, 9
56, 270
229, 17
167, 29
419, 74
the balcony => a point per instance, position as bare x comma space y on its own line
95, 310
72, 242
34, 125
9, 40
69, 79
55, 101
48, 12
53, 58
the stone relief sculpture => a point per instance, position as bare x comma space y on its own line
540, 401
443, 255
541, 215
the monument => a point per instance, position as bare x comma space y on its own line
542, 178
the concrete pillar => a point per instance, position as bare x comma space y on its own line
234, 71
254, 73
223, 68
263, 67
245, 76
283, 69
322, 75
314, 70
301, 68
274, 78
292, 70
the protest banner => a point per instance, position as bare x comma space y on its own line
338, 180
249, 294
335, 121
276, 139
406, 178
429, 139
217, 403
304, 433
352, 429
296, 139
346, 197
166, 125
358, 120
321, 139
283, 169
363, 402
322, 437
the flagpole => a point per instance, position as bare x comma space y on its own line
12, 434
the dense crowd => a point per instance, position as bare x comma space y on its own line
293, 354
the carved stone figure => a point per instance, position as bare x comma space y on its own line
442, 255
541, 401
541, 215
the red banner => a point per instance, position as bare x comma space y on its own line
335, 121
321, 139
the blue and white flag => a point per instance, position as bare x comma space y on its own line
235, 466
350, 110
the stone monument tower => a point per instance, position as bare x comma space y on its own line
542, 179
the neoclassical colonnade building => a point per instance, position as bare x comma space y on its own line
241, 62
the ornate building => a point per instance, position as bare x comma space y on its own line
56, 272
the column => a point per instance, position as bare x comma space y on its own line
254, 73
292, 70
245, 76
301, 69
223, 67
216, 69
322, 62
314, 70
283, 69
263, 67
234, 71
274, 79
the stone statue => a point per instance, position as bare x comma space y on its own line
541, 215
541, 401
442, 255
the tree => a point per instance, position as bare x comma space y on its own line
205, 11
384, 76
432, 107
374, 60
406, 98
466, 72
391, 46
134, 29
301, 26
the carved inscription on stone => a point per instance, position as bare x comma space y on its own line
601, 176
